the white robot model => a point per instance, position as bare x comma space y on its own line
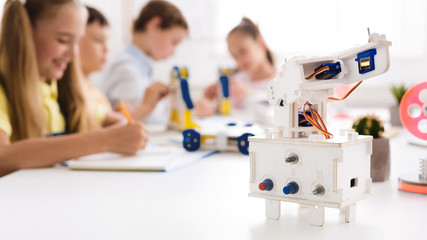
298, 160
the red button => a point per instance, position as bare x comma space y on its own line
266, 185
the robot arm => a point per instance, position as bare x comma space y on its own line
300, 77
309, 82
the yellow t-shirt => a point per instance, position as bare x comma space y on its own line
103, 106
55, 123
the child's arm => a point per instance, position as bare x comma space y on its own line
211, 92
205, 107
112, 118
42, 152
153, 94
127, 84
239, 89
208, 104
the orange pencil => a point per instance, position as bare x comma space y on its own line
125, 112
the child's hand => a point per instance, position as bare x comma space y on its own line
153, 94
211, 92
114, 117
205, 107
126, 139
239, 89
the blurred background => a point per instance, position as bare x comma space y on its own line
290, 28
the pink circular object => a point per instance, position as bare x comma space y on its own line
413, 110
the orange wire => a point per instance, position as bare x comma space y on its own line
346, 95
321, 120
315, 117
310, 119
326, 68
315, 121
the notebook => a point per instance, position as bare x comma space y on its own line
152, 158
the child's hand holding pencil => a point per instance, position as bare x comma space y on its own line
125, 112
126, 139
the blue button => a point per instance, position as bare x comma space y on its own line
291, 188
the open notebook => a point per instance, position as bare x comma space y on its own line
152, 158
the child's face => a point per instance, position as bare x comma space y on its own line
57, 39
163, 42
93, 47
247, 52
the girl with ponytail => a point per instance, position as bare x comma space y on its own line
255, 64
41, 92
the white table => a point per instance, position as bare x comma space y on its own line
206, 200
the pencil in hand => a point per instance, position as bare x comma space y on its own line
125, 112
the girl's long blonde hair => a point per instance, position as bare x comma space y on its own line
19, 75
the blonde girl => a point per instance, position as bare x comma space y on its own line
41, 95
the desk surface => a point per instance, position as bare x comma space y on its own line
206, 200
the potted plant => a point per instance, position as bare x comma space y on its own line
398, 91
380, 158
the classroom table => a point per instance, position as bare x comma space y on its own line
206, 200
